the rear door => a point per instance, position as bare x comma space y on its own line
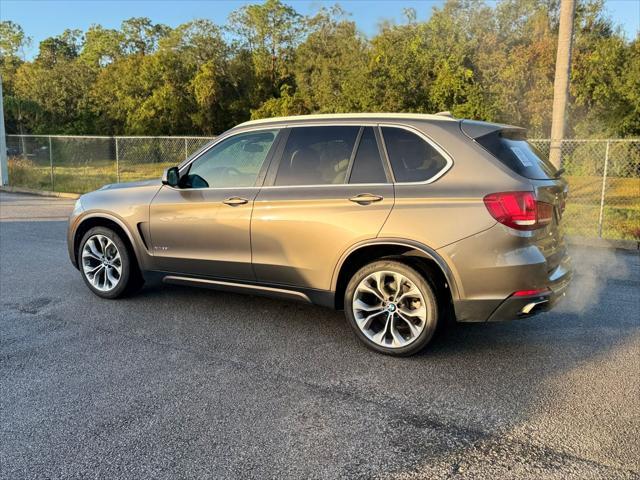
326, 190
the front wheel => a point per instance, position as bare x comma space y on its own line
391, 307
106, 265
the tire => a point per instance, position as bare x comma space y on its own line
389, 331
100, 272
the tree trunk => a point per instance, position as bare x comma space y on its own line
561, 82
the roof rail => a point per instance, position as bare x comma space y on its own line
446, 113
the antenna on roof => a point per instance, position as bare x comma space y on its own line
446, 113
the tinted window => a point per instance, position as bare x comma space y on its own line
517, 154
316, 155
234, 162
367, 165
412, 158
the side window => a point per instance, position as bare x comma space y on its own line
316, 155
367, 165
234, 162
412, 159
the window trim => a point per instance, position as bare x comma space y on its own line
262, 173
430, 142
272, 161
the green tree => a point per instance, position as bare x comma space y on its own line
270, 32
477, 59
12, 44
102, 46
331, 63
142, 36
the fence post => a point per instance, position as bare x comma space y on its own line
117, 161
4, 170
53, 188
604, 186
186, 151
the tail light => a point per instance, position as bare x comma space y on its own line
519, 210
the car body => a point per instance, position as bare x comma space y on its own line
295, 206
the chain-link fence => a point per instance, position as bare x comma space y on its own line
603, 175
81, 164
604, 187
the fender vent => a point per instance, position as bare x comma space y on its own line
143, 231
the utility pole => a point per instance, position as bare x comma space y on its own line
4, 173
561, 82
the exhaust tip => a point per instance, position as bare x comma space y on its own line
533, 307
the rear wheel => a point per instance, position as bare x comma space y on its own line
391, 307
106, 265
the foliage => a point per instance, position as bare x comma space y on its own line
477, 59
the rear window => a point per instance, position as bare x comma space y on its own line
518, 154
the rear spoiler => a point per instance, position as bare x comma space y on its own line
475, 129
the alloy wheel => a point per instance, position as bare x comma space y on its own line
389, 309
101, 263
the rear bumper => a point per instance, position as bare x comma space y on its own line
512, 307
526, 306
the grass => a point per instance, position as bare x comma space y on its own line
621, 214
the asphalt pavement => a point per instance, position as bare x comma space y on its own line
188, 383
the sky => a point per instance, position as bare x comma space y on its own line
44, 18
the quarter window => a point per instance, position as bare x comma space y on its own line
234, 162
412, 158
317, 155
367, 164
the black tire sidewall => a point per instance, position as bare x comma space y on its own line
125, 276
423, 285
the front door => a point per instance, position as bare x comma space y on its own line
203, 227
329, 191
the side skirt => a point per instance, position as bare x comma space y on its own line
324, 298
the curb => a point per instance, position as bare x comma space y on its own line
630, 245
41, 193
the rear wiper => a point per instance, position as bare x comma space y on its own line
559, 172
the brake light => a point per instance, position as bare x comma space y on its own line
519, 210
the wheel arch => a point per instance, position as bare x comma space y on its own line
420, 256
109, 221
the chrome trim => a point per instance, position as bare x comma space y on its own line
239, 129
244, 286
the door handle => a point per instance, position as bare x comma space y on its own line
234, 201
366, 198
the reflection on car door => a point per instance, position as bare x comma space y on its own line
328, 190
202, 228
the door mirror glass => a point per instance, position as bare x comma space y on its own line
171, 177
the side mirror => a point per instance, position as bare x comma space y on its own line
171, 177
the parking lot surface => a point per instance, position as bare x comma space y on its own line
189, 383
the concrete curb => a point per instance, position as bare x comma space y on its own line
631, 245
41, 193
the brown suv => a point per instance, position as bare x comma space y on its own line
399, 219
